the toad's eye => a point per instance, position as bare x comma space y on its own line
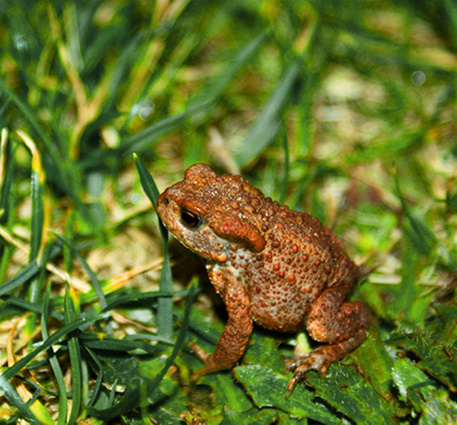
190, 219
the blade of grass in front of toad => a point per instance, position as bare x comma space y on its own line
165, 304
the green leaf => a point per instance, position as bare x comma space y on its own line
170, 410
351, 394
226, 391
411, 301
375, 362
251, 417
268, 389
29, 114
29, 306
68, 251
437, 359
406, 376
262, 350
446, 323
423, 393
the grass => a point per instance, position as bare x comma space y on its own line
346, 111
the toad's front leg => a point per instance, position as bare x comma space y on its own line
342, 325
233, 341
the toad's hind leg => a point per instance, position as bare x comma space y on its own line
342, 325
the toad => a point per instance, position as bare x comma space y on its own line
276, 267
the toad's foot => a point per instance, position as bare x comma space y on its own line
212, 363
319, 359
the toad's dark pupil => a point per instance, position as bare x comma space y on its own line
190, 219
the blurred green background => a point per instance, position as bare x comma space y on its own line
343, 109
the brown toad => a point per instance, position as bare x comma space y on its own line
280, 268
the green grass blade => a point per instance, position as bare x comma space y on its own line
9, 392
449, 7
24, 276
30, 116
100, 376
7, 198
54, 362
148, 137
145, 138
119, 298
214, 90
165, 304
74, 351
37, 195
27, 273
28, 306
147, 182
54, 339
285, 180
92, 276
266, 125
391, 148
68, 249
37, 223
134, 399
423, 236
